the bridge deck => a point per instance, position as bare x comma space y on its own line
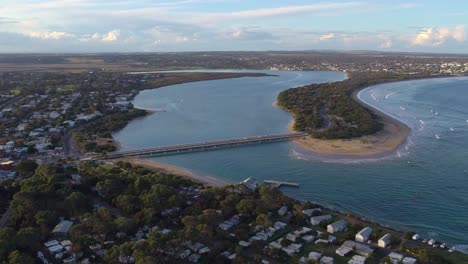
201, 146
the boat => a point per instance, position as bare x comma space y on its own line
431, 242
415, 236
424, 241
436, 113
443, 245
437, 136
452, 249
451, 129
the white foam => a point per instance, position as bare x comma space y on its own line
299, 75
388, 95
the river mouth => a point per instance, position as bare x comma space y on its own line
430, 179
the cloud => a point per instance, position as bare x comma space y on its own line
280, 11
387, 44
50, 35
247, 33
111, 36
438, 36
327, 36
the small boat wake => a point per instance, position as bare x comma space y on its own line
390, 94
298, 76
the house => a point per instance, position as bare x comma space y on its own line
251, 183
62, 228
338, 226
326, 260
283, 210
51, 243
55, 249
384, 241
359, 248
275, 245
194, 258
308, 238
395, 257
279, 225
357, 260
343, 251
184, 254
204, 250
228, 224
243, 243
364, 235
409, 260
309, 212
314, 256
291, 237
316, 220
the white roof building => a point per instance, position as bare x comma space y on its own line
343, 251
62, 227
316, 220
384, 241
395, 257
250, 183
309, 212
337, 226
364, 234
326, 260
314, 256
357, 260
408, 260
283, 210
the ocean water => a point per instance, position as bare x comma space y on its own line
423, 187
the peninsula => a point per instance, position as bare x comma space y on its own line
341, 125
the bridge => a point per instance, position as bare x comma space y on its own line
201, 146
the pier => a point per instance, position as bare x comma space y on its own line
278, 184
201, 146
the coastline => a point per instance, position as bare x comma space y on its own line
382, 144
170, 169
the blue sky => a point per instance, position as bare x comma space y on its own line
203, 25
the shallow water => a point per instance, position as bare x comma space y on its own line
423, 188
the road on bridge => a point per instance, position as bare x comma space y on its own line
201, 146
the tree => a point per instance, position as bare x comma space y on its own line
16, 257
26, 167
7, 241
263, 220
128, 203
28, 238
45, 220
124, 224
76, 203
245, 206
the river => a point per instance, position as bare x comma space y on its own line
423, 188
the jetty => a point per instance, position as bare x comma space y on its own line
200, 146
278, 184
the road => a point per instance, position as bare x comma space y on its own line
4, 219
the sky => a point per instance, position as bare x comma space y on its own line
58, 26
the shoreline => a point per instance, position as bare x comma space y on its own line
179, 171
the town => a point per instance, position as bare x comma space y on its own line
119, 213
58, 209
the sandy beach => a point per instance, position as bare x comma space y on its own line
161, 167
385, 142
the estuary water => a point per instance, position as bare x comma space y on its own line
423, 187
